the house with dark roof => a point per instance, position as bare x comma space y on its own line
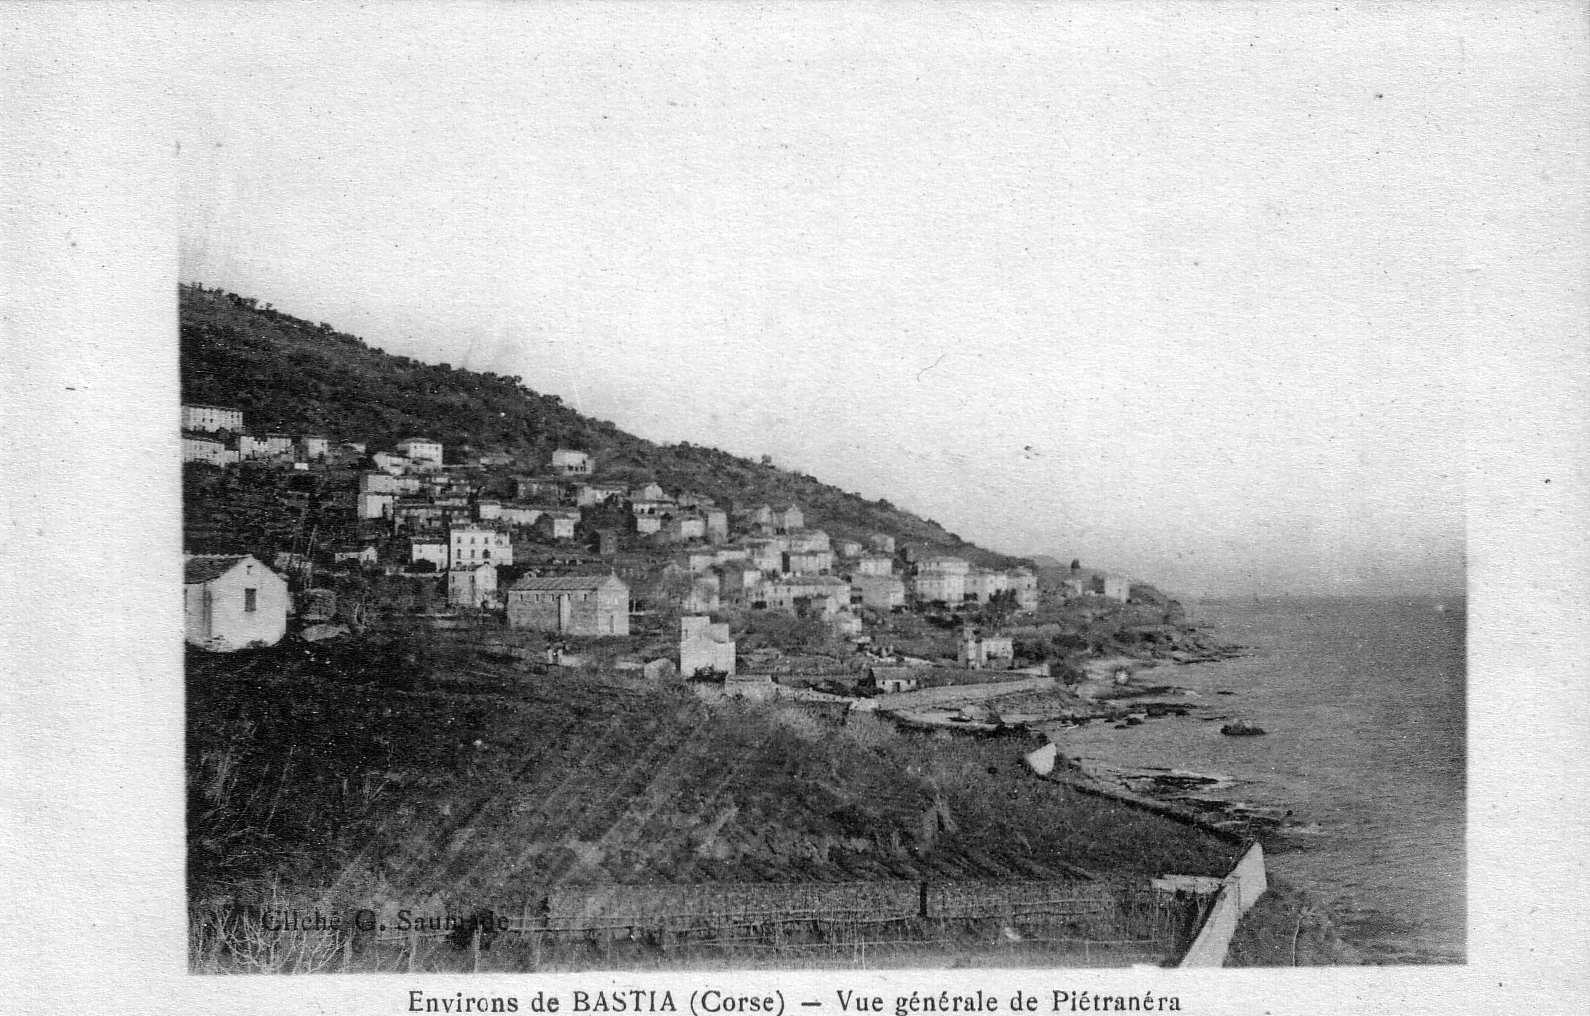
232, 601
596, 605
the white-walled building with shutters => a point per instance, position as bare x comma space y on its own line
211, 418
468, 546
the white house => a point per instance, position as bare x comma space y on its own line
570, 462
270, 446
197, 448
421, 449
396, 465
313, 446
231, 601
435, 553
468, 546
211, 418
704, 646
376, 506
874, 564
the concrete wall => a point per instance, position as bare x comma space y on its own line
1239, 891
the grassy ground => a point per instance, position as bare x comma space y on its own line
349, 775
1288, 928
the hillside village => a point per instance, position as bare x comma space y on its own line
623, 664
567, 551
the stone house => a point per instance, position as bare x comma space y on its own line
986, 652
717, 523
1024, 583
891, 680
1111, 587
703, 597
684, 528
377, 483
807, 539
468, 546
387, 462
364, 557
738, 582
199, 448
568, 462
649, 492
983, 583
211, 418
472, 587
874, 564
434, 552
704, 647
421, 449
812, 595
231, 601
555, 524
538, 488
374, 505
880, 592
596, 605
847, 548
808, 562
788, 519
881, 543
313, 446
271, 446
941, 580
519, 514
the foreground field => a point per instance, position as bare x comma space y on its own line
394, 773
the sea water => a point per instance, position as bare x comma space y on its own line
1363, 704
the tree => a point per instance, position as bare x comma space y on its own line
1076, 564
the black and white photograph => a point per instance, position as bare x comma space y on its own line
838, 491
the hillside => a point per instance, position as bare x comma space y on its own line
296, 376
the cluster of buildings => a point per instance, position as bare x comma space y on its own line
440, 518
216, 435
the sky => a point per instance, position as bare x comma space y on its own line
1188, 292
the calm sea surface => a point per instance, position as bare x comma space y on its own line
1363, 701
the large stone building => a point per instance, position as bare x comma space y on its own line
941, 579
231, 601
880, 592
1024, 584
809, 595
421, 449
595, 605
198, 448
211, 418
468, 546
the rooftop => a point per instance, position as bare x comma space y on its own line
207, 567
561, 583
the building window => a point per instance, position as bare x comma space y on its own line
250, 600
